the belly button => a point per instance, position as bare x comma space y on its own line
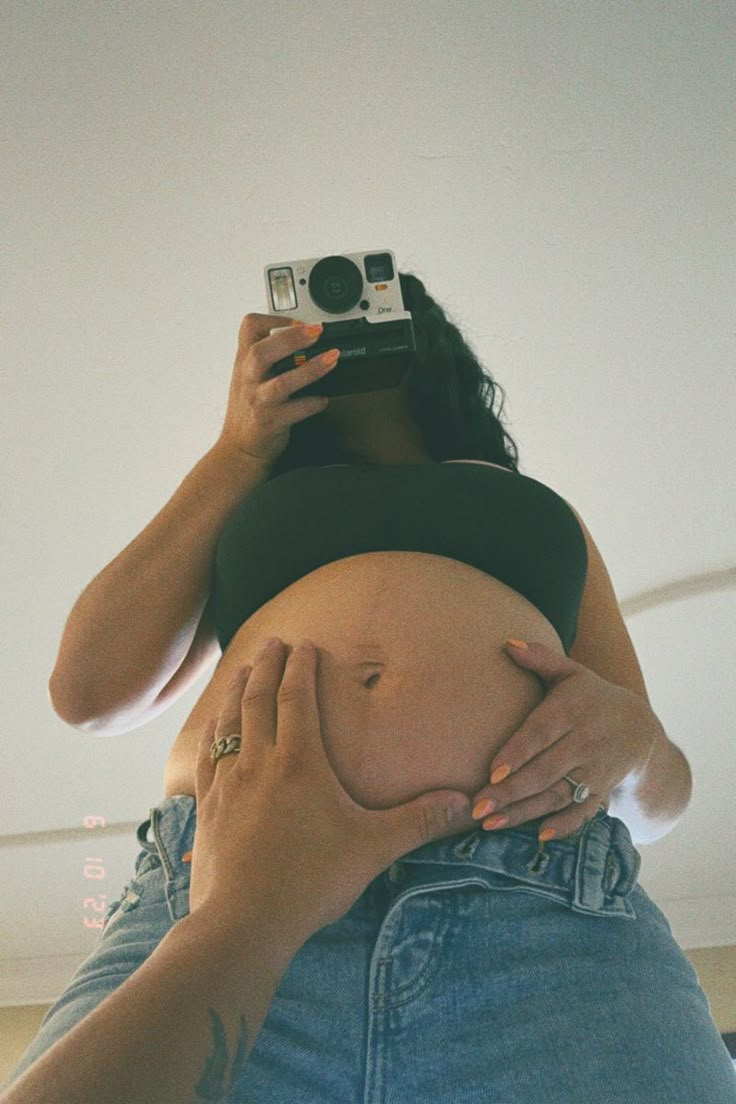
371, 682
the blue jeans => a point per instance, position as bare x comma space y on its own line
474, 970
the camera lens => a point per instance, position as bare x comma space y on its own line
335, 284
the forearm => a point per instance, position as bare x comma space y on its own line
652, 803
179, 1030
132, 626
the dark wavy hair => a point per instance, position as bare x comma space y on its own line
451, 397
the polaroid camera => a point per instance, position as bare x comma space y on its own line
357, 298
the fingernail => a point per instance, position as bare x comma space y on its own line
483, 808
517, 643
495, 822
499, 774
547, 834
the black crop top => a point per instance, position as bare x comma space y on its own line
509, 525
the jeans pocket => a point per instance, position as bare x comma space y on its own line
114, 906
146, 863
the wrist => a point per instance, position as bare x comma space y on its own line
244, 928
229, 454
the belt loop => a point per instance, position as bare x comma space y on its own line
142, 834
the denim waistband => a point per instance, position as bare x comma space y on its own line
593, 871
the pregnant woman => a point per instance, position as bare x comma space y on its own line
394, 530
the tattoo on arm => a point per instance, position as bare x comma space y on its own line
212, 1083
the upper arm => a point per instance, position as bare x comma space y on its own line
602, 642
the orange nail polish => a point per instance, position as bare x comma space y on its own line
499, 774
495, 822
187, 857
483, 808
547, 834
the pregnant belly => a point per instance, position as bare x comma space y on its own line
414, 687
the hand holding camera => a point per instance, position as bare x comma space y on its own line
260, 412
357, 299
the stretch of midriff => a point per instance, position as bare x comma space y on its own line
415, 689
